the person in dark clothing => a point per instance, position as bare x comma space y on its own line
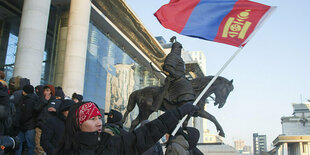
154, 150
59, 94
27, 119
4, 112
114, 125
39, 90
192, 138
46, 107
55, 127
16, 84
83, 132
77, 97
184, 142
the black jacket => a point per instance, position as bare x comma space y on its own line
132, 143
52, 132
42, 108
27, 114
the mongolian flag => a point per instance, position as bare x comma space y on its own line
225, 21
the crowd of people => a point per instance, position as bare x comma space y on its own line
46, 121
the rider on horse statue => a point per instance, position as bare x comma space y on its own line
177, 89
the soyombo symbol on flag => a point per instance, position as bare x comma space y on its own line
226, 21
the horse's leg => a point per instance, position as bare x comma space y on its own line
135, 122
130, 106
210, 117
141, 117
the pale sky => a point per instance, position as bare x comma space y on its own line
270, 73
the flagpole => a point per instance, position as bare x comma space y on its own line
208, 86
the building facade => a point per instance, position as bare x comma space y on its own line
295, 137
259, 144
96, 48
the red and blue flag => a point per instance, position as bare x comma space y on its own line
225, 21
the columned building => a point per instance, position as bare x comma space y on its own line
96, 48
295, 137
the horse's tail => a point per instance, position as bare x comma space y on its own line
131, 104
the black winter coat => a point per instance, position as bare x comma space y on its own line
132, 143
44, 114
27, 115
52, 132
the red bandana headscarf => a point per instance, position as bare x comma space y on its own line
87, 111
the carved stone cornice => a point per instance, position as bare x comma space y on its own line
120, 14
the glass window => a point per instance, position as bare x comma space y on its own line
111, 75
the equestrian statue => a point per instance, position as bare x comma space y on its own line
177, 91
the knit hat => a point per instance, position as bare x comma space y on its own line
51, 87
77, 96
114, 116
87, 111
59, 92
65, 105
28, 89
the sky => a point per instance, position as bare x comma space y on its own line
270, 73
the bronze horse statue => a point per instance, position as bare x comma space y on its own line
146, 97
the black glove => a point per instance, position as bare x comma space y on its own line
187, 108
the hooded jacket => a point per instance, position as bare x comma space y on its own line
177, 146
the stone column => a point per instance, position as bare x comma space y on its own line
31, 40
61, 49
300, 148
75, 57
285, 149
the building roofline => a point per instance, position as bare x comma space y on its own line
291, 139
118, 12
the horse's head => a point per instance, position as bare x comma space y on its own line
222, 91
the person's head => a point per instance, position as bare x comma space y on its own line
115, 117
49, 90
77, 97
65, 106
39, 89
14, 83
59, 94
82, 117
176, 48
28, 89
2, 75
89, 118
